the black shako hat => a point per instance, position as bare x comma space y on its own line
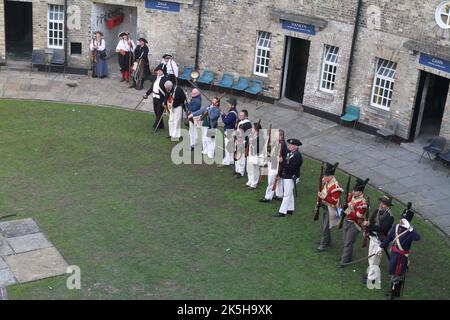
408, 214
330, 169
295, 142
232, 101
360, 184
386, 200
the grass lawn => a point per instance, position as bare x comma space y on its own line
103, 189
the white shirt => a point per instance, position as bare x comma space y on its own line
123, 45
172, 67
100, 45
156, 88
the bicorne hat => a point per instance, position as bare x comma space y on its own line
386, 200
295, 142
143, 39
124, 34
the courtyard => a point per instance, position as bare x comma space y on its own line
102, 188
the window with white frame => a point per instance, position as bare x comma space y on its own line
329, 68
55, 26
442, 15
262, 56
383, 84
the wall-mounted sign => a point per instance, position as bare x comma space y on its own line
162, 5
433, 62
298, 27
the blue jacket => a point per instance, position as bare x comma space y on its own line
195, 104
213, 116
229, 120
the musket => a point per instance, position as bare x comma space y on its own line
139, 103
160, 119
8, 216
347, 189
365, 233
277, 178
319, 200
269, 141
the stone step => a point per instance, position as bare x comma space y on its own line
289, 104
17, 65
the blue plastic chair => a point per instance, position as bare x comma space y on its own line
255, 89
206, 78
241, 84
186, 75
351, 115
58, 60
227, 81
38, 58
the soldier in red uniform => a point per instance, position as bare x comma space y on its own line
330, 197
355, 211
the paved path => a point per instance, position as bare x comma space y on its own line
391, 168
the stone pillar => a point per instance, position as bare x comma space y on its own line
2, 32
445, 128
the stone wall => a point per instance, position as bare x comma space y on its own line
2, 32
228, 39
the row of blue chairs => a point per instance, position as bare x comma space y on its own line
244, 85
39, 58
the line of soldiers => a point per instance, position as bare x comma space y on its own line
378, 229
250, 151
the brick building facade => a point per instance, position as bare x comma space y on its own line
391, 59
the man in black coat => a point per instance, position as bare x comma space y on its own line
141, 55
290, 175
175, 98
377, 228
158, 94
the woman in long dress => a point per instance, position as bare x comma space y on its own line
98, 51
125, 48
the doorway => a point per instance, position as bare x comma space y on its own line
430, 105
296, 66
18, 30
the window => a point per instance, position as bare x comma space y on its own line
329, 67
262, 56
443, 15
383, 84
55, 26
75, 48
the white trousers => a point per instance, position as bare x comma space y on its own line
271, 178
253, 174
374, 262
210, 147
239, 165
192, 133
175, 118
229, 156
288, 203
204, 140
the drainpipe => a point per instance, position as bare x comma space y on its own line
199, 25
65, 34
352, 53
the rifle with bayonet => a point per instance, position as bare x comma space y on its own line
319, 200
347, 190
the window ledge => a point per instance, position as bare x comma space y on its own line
378, 111
324, 95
